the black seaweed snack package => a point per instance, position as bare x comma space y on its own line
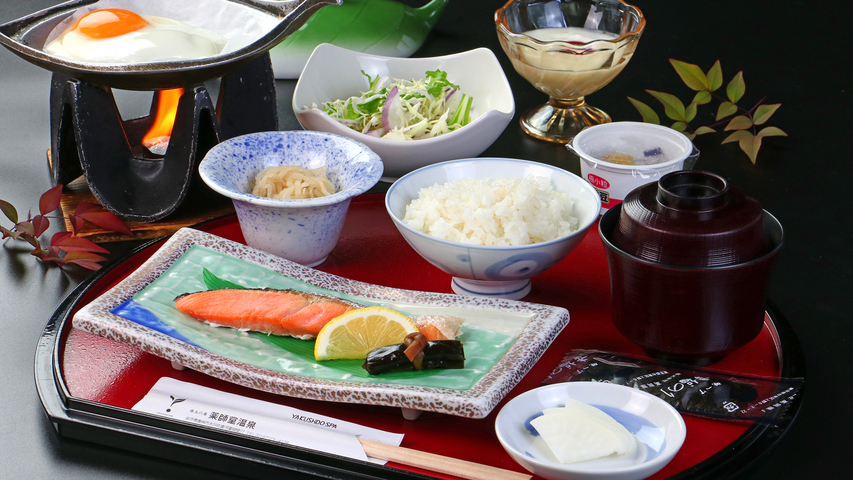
695, 391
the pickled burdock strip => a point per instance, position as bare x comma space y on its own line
435, 355
444, 354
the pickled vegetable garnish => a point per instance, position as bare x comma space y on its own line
435, 354
619, 158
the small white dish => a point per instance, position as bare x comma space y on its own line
304, 231
657, 426
494, 271
335, 73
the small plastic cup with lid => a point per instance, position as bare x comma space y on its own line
621, 156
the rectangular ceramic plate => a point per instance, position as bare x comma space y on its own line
503, 338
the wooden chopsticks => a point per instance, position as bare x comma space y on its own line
437, 463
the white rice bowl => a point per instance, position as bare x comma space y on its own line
493, 244
495, 212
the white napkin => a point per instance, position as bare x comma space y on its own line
235, 413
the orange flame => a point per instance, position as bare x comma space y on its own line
167, 108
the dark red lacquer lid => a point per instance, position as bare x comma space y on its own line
691, 219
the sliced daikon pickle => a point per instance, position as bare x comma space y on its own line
577, 434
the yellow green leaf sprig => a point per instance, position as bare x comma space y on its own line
745, 125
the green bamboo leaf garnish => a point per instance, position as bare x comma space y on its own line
215, 283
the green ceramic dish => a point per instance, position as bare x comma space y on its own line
379, 27
503, 339
483, 347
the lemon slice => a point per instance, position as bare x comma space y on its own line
357, 332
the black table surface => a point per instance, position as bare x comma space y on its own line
791, 52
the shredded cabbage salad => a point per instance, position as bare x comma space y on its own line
405, 109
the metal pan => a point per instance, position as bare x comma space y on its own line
27, 37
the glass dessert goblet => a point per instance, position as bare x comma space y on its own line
567, 49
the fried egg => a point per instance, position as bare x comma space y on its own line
113, 35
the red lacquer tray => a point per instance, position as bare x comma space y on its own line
88, 384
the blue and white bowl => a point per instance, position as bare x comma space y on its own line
499, 271
658, 428
304, 231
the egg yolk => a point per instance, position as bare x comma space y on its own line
108, 23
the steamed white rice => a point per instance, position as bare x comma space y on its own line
498, 212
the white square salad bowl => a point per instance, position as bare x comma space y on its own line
334, 73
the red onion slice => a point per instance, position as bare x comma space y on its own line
449, 95
393, 105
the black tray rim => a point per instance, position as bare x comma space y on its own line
227, 452
139, 432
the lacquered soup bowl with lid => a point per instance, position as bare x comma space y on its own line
689, 257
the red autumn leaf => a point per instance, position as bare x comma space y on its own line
31, 240
50, 200
49, 254
23, 228
86, 260
77, 223
53, 258
105, 220
87, 264
74, 256
59, 236
40, 225
70, 243
53, 251
87, 207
